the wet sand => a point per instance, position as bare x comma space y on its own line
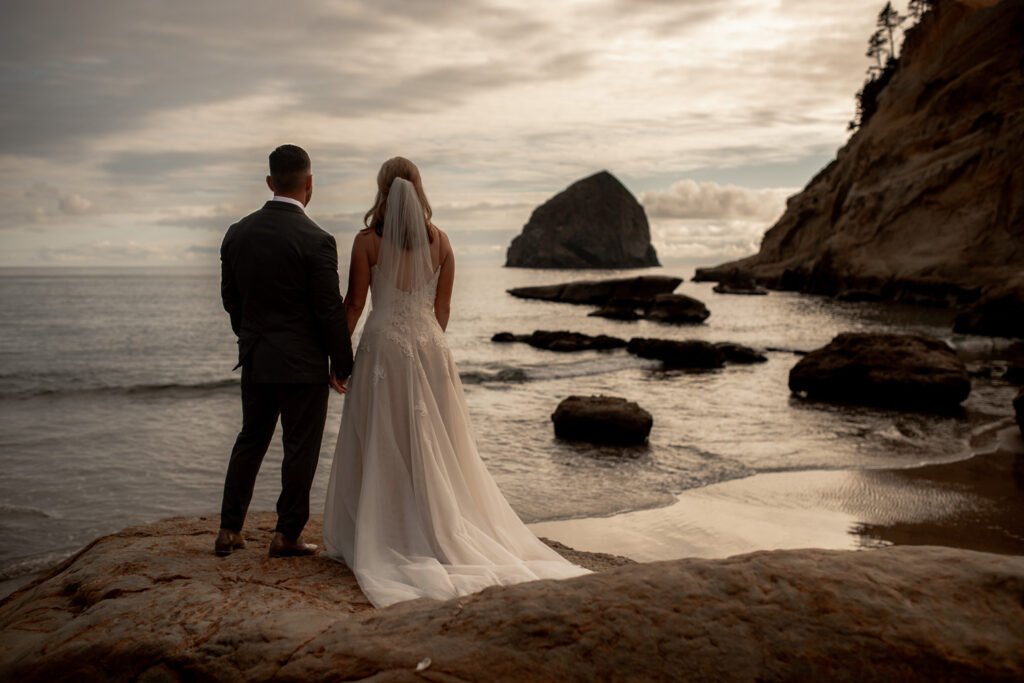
976, 504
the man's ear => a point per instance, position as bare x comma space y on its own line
270, 184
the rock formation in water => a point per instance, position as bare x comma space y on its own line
926, 200
896, 370
1000, 313
677, 309
601, 292
594, 223
152, 603
562, 340
691, 354
603, 420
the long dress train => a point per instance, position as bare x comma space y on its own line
410, 505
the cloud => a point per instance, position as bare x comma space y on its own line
105, 252
693, 199
217, 218
145, 120
75, 204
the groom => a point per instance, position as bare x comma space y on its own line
279, 284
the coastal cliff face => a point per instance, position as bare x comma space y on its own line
152, 603
926, 201
594, 223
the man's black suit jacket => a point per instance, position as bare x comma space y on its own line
279, 284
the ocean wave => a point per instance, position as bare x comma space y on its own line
16, 511
125, 389
587, 367
32, 565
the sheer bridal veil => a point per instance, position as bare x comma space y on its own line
404, 260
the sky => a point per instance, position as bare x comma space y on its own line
134, 132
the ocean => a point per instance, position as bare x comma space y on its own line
118, 404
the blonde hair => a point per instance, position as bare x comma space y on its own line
396, 167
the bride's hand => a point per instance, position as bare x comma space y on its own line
337, 384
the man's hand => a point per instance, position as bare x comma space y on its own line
337, 384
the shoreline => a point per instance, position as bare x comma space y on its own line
976, 503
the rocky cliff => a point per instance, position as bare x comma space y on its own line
926, 200
152, 603
595, 223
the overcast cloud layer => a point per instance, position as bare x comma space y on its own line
134, 133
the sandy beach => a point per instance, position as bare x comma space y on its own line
977, 504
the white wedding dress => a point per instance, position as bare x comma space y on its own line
410, 508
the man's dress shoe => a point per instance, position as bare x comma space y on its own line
282, 547
227, 541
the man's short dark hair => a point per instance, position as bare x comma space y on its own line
289, 166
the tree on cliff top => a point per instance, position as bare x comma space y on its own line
917, 8
882, 48
888, 21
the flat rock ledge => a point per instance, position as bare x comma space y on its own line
601, 292
693, 354
561, 340
152, 603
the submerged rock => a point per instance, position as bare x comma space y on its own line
1000, 313
153, 603
739, 282
677, 309
689, 354
601, 292
721, 288
561, 340
739, 354
901, 371
603, 420
594, 223
613, 311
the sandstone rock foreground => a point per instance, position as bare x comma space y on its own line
151, 603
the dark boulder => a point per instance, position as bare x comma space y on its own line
676, 308
689, 354
902, 371
616, 312
739, 354
739, 282
722, 288
603, 420
601, 292
1014, 374
561, 340
594, 223
1000, 313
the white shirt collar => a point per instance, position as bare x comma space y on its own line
288, 200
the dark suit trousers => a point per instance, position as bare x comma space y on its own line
303, 411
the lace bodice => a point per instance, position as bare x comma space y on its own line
405, 319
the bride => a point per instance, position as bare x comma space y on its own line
410, 508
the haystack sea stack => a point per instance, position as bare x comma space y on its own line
926, 200
594, 223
